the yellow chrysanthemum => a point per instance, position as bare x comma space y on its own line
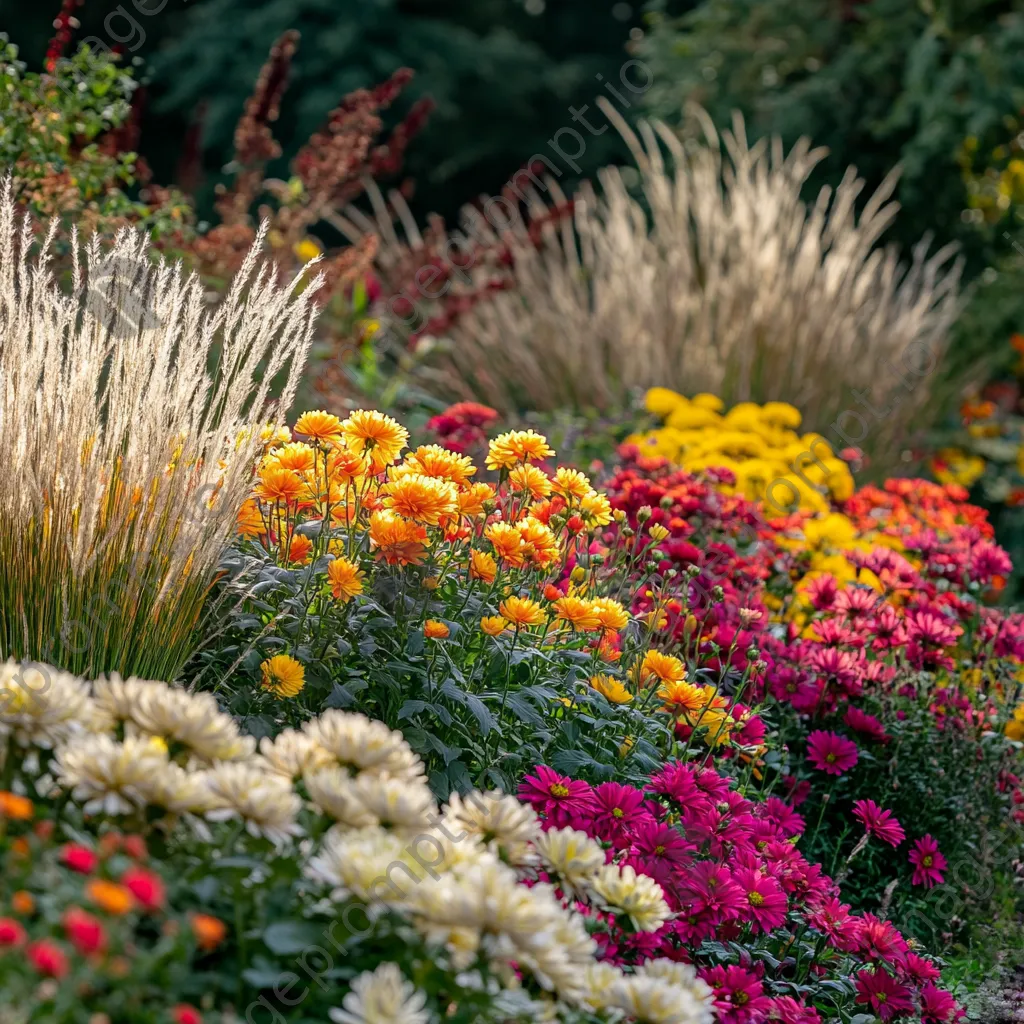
661, 401
278, 484
345, 578
318, 425
531, 480
595, 509
611, 688
250, 521
296, 455
522, 611
539, 544
571, 483
482, 566
433, 460
372, 434
492, 625
423, 499
508, 544
473, 499
682, 696
579, 614
283, 675
515, 446
663, 667
610, 614
396, 540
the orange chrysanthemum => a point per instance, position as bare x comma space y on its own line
283, 675
396, 540
297, 456
611, 688
540, 545
682, 696
345, 578
571, 483
472, 501
15, 807
424, 499
250, 522
482, 566
318, 425
610, 614
515, 446
370, 433
578, 613
662, 667
492, 625
531, 480
279, 484
109, 896
208, 930
23, 902
435, 630
299, 547
433, 460
522, 611
508, 544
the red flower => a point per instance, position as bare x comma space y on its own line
739, 994
938, 1006
560, 799
878, 822
11, 933
833, 920
765, 901
85, 931
148, 888
865, 724
47, 958
831, 753
79, 858
928, 862
185, 1014
883, 993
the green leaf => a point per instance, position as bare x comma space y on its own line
288, 937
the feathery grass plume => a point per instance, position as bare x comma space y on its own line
130, 420
719, 278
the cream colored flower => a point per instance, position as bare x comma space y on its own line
293, 753
404, 804
638, 897
110, 776
598, 979
42, 706
500, 822
333, 791
573, 856
650, 1000
364, 745
382, 996
264, 800
681, 975
370, 864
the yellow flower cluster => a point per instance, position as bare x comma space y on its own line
758, 443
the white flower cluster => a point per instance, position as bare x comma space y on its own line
456, 873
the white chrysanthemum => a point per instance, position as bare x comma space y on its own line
192, 719
370, 864
265, 801
501, 822
179, 791
572, 855
111, 776
639, 897
333, 791
598, 979
559, 955
41, 706
681, 975
293, 753
383, 996
364, 745
657, 1001
402, 803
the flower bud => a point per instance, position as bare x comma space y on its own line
644, 513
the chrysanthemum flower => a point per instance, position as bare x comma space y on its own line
571, 855
682, 696
345, 579
539, 544
883, 993
929, 863
595, 509
382, 995
507, 541
662, 667
279, 484
482, 566
938, 1006
493, 625
578, 613
530, 480
250, 521
297, 456
372, 434
611, 615
879, 822
498, 819
396, 540
765, 900
264, 800
610, 688
15, 807
622, 891
433, 460
364, 745
109, 896
433, 629
318, 425
522, 611
831, 753
424, 499
283, 675
559, 798
298, 548
515, 446
209, 931
571, 484
474, 498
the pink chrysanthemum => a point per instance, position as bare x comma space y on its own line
558, 798
883, 993
765, 902
928, 862
878, 822
831, 753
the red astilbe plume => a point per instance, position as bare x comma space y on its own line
64, 26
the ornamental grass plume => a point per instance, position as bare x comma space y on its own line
719, 278
130, 421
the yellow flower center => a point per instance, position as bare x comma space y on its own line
927, 860
557, 789
618, 812
756, 899
659, 850
830, 758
